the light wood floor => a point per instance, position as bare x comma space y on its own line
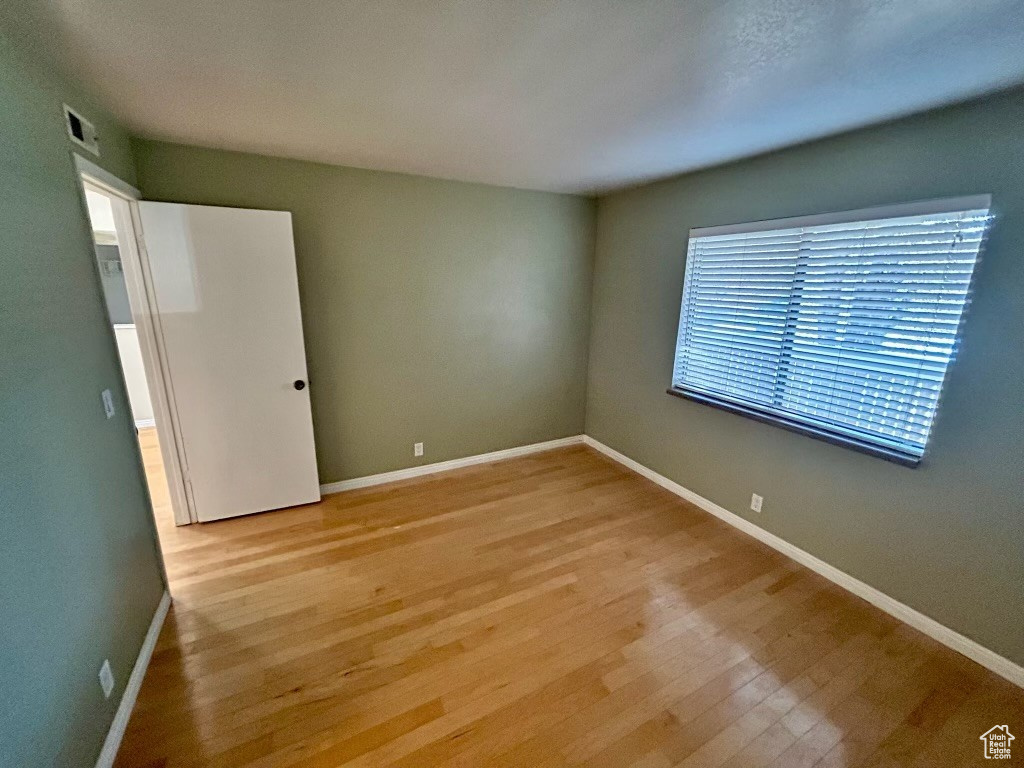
157, 481
550, 610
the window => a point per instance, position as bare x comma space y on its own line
840, 326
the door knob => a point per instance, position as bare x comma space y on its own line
300, 384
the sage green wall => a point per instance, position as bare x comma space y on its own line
80, 575
449, 313
945, 538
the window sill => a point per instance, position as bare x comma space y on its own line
834, 438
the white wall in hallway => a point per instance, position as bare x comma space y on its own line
134, 373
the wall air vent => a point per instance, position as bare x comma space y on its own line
81, 131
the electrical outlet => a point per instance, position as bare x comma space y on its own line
417, 449
755, 502
108, 403
106, 678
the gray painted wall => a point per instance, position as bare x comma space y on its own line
945, 538
434, 311
80, 578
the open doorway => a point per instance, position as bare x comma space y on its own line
111, 206
206, 316
100, 204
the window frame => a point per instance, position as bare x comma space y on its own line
808, 425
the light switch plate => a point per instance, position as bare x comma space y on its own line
108, 403
106, 678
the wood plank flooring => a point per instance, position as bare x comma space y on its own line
550, 610
159, 494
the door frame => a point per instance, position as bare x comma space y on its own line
138, 282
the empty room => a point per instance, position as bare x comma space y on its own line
514, 383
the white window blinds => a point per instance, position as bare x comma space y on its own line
840, 325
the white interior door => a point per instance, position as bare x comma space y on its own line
226, 291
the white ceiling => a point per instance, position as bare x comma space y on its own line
567, 95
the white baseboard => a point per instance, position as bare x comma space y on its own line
444, 466
143, 423
943, 634
131, 690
